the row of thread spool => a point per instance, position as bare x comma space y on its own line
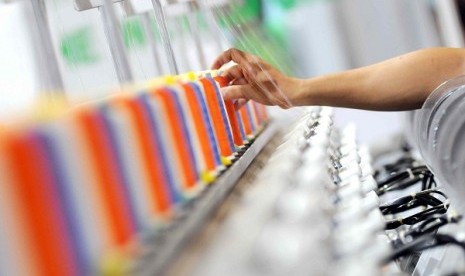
318, 212
83, 190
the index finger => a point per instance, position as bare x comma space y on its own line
232, 54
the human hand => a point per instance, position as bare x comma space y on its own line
251, 78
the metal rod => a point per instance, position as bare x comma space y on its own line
194, 29
213, 25
148, 28
115, 42
161, 21
54, 80
182, 45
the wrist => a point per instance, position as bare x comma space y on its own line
298, 92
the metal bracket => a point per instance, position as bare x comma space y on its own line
113, 34
53, 75
161, 21
82, 5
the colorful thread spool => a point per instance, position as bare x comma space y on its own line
193, 137
264, 113
109, 183
47, 230
196, 106
77, 183
246, 122
130, 192
232, 115
252, 117
150, 150
122, 125
258, 114
208, 123
180, 145
14, 248
220, 119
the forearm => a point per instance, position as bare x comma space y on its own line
401, 83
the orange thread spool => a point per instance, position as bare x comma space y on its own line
232, 115
258, 113
34, 187
254, 116
200, 126
181, 148
264, 112
160, 201
121, 228
246, 121
217, 117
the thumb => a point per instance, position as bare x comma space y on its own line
234, 92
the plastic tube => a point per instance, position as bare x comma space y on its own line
439, 129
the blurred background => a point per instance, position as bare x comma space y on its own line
313, 37
329, 36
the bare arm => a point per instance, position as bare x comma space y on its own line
401, 83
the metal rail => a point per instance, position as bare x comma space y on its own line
168, 246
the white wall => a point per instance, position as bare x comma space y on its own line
19, 77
